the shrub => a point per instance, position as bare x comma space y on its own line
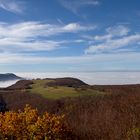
27, 124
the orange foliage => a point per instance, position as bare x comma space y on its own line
29, 125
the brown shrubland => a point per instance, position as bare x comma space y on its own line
113, 116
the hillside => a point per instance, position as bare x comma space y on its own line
91, 112
9, 76
44, 92
61, 88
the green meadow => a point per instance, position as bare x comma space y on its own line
56, 92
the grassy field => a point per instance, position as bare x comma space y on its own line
57, 92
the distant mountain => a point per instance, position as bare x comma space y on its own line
9, 76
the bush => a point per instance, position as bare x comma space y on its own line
28, 124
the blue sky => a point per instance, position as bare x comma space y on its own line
69, 35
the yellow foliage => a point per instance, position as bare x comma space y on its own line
28, 125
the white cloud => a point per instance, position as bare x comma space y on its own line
74, 27
75, 5
114, 44
32, 36
30, 29
13, 6
111, 32
116, 39
118, 30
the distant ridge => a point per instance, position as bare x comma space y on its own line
8, 77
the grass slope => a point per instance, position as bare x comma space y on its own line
57, 92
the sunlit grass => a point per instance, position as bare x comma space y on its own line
40, 87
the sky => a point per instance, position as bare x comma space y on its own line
69, 35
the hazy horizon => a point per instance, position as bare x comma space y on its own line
92, 78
